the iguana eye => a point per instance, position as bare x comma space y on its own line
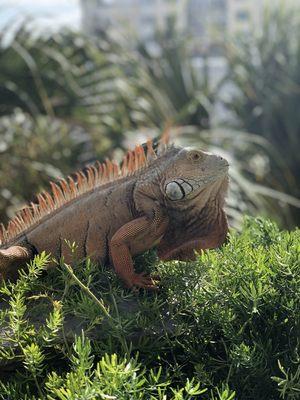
177, 190
174, 191
195, 156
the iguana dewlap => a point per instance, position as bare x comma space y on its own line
171, 199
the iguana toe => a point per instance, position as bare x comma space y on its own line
142, 281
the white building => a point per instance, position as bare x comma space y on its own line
243, 16
206, 24
207, 21
139, 18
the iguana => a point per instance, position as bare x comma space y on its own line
170, 197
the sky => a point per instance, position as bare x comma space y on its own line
49, 14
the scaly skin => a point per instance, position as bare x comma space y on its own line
173, 201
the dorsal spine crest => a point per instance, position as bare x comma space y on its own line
69, 189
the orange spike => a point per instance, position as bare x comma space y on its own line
164, 140
41, 202
26, 214
35, 210
49, 200
79, 181
116, 169
130, 162
72, 186
3, 234
30, 211
165, 137
136, 158
151, 155
44, 196
100, 169
95, 172
18, 220
143, 156
98, 166
104, 172
11, 228
110, 169
84, 179
90, 177
2, 231
57, 194
65, 188
124, 165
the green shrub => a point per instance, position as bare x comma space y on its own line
223, 327
264, 69
68, 76
34, 151
167, 85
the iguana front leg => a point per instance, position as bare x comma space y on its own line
132, 238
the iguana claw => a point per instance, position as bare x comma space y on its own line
142, 281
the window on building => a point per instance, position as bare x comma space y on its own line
106, 3
243, 15
148, 20
221, 4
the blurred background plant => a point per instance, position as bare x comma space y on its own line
67, 99
265, 72
34, 151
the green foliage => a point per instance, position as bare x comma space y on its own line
61, 75
289, 383
168, 87
34, 151
264, 69
60, 107
221, 328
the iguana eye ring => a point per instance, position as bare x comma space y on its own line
178, 189
195, 156
174, 194
174, 191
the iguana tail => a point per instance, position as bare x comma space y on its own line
12, 259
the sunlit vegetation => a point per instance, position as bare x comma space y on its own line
223, 327
265, 72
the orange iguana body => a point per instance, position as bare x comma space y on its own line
172, 199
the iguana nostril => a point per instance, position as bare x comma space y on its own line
223, 161
108, 219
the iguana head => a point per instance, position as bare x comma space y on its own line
191, 173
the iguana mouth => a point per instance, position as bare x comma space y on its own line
113, 212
